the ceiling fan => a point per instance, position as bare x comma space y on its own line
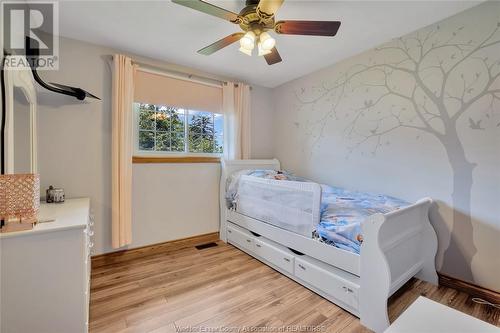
255, 20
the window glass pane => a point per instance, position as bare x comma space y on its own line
208, 143
177, 122
218, 124
177, 142
195, 143
162, 141
201, 122
146, 140
146, 117
162, 128
219, 143
162, 119
169, 119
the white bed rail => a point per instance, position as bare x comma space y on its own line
396, 247
291, 205
230, 166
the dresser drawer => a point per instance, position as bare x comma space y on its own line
330, 280
274, 254
240, 238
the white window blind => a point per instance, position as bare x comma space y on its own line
163, 90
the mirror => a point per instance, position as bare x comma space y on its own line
20, 121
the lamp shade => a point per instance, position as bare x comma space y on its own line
246, 51
262, 51
19, 200
266, 41
248, 41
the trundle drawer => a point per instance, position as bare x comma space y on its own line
328, 279
240, 238
274, 255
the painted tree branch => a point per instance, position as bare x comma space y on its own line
412, 65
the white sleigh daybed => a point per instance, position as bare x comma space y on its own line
396, 246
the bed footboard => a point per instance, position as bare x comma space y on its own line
397, 246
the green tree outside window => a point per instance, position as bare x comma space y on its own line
165, 129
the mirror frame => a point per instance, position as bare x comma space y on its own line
22, 78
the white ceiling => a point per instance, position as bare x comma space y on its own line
166, 31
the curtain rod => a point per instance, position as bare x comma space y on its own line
181, 75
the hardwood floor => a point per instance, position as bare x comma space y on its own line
221, 286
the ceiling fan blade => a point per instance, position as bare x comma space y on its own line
273, 57
315, 28
209, 9
221, 43
267, 8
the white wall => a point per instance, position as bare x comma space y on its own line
174, 201
74, 138
381, 122
170, 201
262, 122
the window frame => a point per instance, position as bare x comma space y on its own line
173, 154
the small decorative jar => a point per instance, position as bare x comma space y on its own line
54, 195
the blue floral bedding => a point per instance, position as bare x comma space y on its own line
342, 211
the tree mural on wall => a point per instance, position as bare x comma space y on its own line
430, 84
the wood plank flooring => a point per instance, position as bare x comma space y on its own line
221, 286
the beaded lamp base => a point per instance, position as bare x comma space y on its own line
19, 201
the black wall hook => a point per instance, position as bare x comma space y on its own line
78, 93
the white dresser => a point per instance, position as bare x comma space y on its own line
45, 272
427, 316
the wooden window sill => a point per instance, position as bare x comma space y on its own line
177, 159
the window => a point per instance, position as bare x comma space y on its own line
167, 129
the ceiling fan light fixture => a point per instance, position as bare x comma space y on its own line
248, 41
266, 41
255, 20
246, 51
262, 51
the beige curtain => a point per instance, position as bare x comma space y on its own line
122, 146
236, 108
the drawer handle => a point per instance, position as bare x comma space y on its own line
229, 231
286, 259
347, 290
249, 241
258, 245
302, 267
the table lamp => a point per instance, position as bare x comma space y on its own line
19, 201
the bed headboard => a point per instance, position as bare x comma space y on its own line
230, 166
